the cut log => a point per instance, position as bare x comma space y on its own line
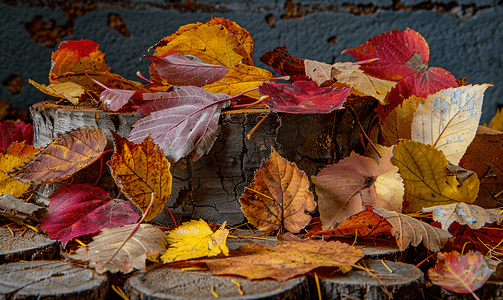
50, 280
164, 283
210, 187
404, 282
30, 246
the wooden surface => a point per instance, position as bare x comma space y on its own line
30, 246
50, 280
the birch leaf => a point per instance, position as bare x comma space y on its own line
465, 214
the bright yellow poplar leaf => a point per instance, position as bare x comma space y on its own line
422, 168
140, 170
195, 239
238, 79
397, 124
448, 120
14, 157
70, 91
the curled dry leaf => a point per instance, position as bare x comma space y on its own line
140, 170
426, 181
289, 259
408, 230
63, 157
460, 273
146, 239
15, 131
70, 91
465, 214
282, 62
14, 157
279, 197
195, 239
21, 212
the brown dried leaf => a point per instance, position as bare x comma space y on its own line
21, 212
465, 214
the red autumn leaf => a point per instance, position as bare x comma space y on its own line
179, 70
282, 62
303, 97
81, 209
484, 240
460, 273
15, 131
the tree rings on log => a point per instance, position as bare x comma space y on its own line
30, 246
165, 283
403, 282
51, 280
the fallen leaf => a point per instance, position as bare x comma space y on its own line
238, 79
497, 121
15, 131
147, 238
14, 157
486, 240
448, 120
318, 72
181, 122
460, 273
21, 212
426, 182
195, 239
81, 209
302, 97
279, 197
139, 170
63, 157
289, 259
114, 99
244, 37
465, 214
70, 91
345, 188
410, 231
282, 62
398, 123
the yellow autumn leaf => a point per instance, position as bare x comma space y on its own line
70, 91
448, 120
14, 157
195, 239
397, 125
238, 79
497, 121
426, 181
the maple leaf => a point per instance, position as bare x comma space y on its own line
344, 188
238, 79
195, 239
70, 91
426, 181
486, 240
140, 170
63, 157
278, 197
21, 212
179, 70
81, 209
302, 97
14, 157
244, 38
287, 260
410, 231
483, 156
146, 241
448, 120
465, 214
182, 122
398, 123
497, 121
76, 56
460, 273
15, 131
282, 62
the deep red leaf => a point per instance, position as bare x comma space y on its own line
282, 62
15, 131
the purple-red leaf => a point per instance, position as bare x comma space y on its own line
17, 131
179, 70
181, 122
81, 209
303, 97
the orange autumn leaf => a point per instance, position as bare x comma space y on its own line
14, 157
140, 170
77, 56
70, 91
279, 197
287, 260
64, 156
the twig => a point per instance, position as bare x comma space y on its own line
351, 109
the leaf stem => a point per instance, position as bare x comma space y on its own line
172, 217
101, 166
249, 104
256, 126
351, 109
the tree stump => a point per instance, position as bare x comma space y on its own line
50, 280
403, 283
210, 187
30, 246
165, 283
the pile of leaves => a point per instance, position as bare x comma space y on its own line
430, 174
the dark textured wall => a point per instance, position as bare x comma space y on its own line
465, 37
